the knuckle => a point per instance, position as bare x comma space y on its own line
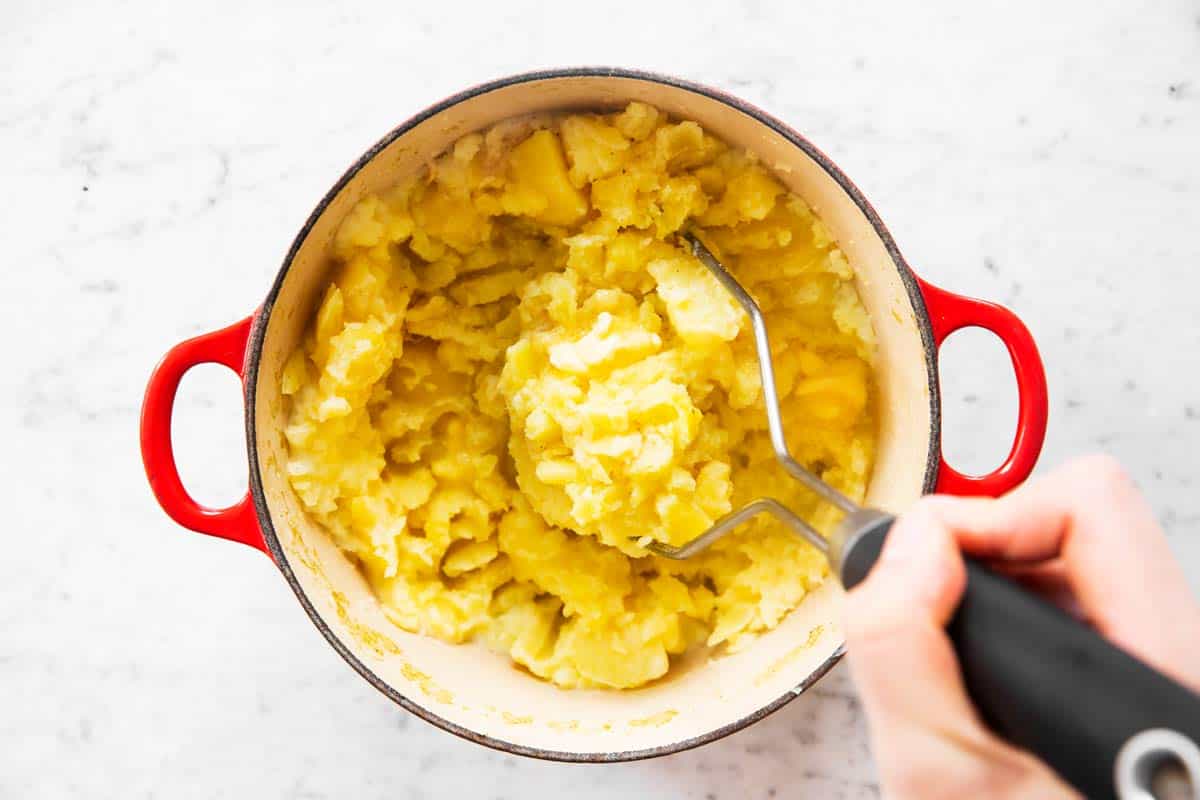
923, 514
940, 510
1105, 471
927, 517
929, 505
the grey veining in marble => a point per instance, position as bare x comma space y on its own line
157, 158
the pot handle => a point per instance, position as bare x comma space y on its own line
228, 347
949, 312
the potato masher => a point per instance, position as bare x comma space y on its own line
1108, 723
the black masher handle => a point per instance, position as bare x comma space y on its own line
1043, 680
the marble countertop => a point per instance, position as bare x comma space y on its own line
158, 159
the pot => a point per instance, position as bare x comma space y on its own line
463, 688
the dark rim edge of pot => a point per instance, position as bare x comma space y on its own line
258, 333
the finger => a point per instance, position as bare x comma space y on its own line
1119, 564
1034, 522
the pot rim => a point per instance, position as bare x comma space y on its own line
258, 336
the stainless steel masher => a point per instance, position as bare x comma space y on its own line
1108, 723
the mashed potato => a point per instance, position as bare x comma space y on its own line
517, 373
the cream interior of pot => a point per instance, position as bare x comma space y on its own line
479, 691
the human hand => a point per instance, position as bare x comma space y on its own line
1084, 538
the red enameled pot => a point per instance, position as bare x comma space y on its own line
476, 694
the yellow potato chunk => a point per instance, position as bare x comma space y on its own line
518, 377
697, 305
540, 187
595, 148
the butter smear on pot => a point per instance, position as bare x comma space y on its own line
517, 373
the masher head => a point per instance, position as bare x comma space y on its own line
763, 505
779, 445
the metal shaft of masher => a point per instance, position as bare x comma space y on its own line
774, 418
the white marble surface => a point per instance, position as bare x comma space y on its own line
155, 163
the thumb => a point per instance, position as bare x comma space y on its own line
901, 657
